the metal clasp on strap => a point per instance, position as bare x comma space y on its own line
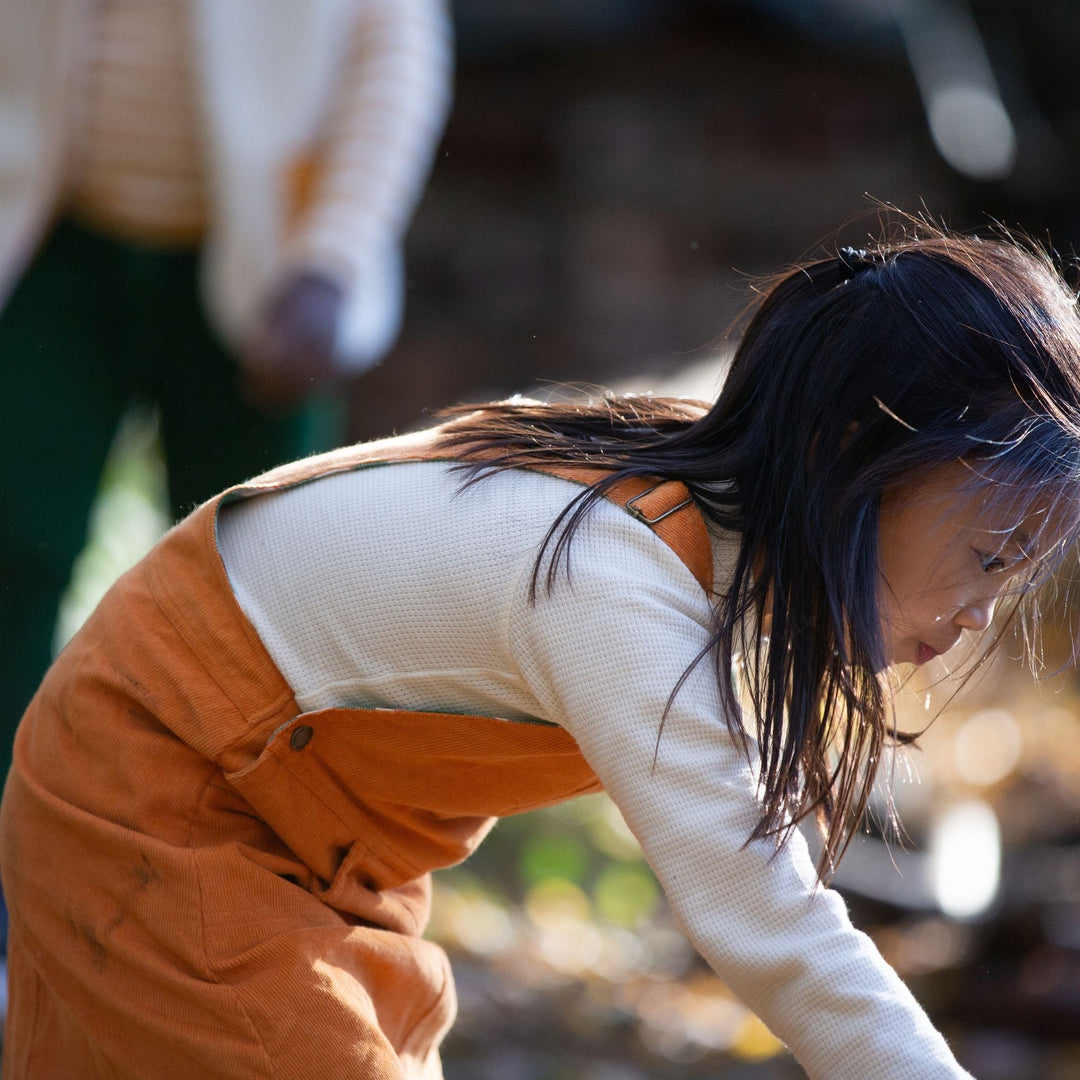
640, 515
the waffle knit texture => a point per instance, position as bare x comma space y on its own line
391, 588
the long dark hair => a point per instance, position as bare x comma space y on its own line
856, 373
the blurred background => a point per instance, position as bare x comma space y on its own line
612, 175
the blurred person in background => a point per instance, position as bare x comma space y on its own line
202, 207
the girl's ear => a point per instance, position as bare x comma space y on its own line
848, 432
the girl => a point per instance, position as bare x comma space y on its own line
231, 788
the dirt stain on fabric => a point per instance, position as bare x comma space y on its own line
95, 935
87, 934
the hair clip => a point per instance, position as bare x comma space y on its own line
854, 259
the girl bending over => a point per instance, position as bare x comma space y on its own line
232, 786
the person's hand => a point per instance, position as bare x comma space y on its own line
291, 353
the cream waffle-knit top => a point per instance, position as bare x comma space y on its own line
390, 587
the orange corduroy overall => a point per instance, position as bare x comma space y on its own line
204, 881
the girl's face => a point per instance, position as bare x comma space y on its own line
945, 560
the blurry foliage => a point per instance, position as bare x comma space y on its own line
128, 517
571, 966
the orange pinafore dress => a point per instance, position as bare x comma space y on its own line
204, 881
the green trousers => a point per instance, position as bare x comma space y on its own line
94, 326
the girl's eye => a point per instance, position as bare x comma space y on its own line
990, 564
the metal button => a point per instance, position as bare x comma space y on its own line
301, 736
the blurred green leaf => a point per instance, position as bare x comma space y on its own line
553, 856
626, 895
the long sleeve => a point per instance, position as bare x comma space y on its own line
377, 143
321, 121
602, 653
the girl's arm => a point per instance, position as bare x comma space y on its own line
602, 652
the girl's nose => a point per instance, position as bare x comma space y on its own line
977, 615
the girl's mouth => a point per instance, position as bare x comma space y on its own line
926, 653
